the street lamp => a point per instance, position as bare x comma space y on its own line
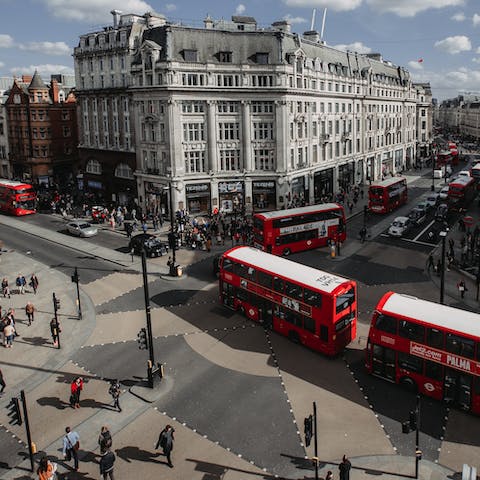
433, 171
443, 235
171, 236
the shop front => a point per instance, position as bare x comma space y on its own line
322, 185
399, 165
299, 192
198, 198
264, 195
346, 176
370, 169
156, 198
231, 196
387, 164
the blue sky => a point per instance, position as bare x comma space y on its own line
444, 33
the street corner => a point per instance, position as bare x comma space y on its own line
49, 403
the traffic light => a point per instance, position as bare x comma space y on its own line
75, 278
56, 303
405, 427
14, 412
412, 420
142, 339
308, 429
172, 241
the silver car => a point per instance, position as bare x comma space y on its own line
399, 226
81, 228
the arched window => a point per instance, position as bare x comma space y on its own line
93, 166
123, 171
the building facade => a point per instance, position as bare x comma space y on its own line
424, 120
238, 118
42, 131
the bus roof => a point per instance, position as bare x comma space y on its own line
476, 166
13, 183
308, 276
298, 211
431, 313
387, 182
462, 180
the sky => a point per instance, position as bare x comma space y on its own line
437, 41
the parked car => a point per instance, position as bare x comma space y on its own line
399, 226
417, 215
441, 213
425, 206
154, 247
81, 228
443, 194
433, 199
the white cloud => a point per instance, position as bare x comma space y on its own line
44, 70
48, 48
477, 50
170, 7
476, 60
96, 12
415, 65
358, 47
240, 9
453, 45
409, 8
6, 41
2, 64
476, 19
459, 17
336, 5
294, 20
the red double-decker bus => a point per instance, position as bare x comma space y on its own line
428, 347
461, 192
444, 158
283, 232
387, 195
17, 198
311, 307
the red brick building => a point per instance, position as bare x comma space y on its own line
42, 131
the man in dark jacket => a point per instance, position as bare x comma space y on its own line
106, 465
165, 440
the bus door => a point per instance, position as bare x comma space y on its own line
265, 312
458, 389
228, 295
383, 362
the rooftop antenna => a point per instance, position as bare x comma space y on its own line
323, 23
313, 18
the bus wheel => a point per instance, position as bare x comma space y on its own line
286, 252
409, 384
293, 336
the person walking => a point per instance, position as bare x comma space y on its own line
114, 391
76, 388
462, 288
344, 468
71, 445
2, 382
329, 475
430, 263
46, 469
9, 333
104, 439
29, 311
106, 465
23, 284
34, 283
5, 288
54, 330
165, 440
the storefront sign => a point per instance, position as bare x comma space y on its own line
230, 187
266, 185
154, 188
198, 188
94, 184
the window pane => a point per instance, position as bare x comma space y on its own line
410, 362
411, 331
434, 338
433, 370
386, 324
309, 324
294, 291
312, 298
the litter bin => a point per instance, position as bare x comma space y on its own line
332, 250
179, 271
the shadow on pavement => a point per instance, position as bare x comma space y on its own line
134, 453
37, 341
214, 471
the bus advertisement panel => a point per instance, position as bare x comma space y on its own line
286, 231
17, 198
387, 195
428, 347
461, 192
309, 306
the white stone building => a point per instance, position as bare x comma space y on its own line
236, 117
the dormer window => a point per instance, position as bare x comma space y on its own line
190, 55
225, 57
261, 58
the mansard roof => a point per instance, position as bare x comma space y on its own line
37, 83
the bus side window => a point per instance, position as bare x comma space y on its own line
264, 279
293, 290
309, 324
324, 333
459, 345
278, 285
312, 298
410, 362
433, 370
476, 385
434, 338
386, 324
478, 351
411, 331
251, 274
227, 265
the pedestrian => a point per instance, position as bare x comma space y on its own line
30, 312
438, 268
46, 469
9, 334
54, 330
34, 283
430, 263
462, 288
363, 234
144, 226
106, 465
209, 243
2, 382
165, 440
114, 391
18, 283
344, 468
23, 284
104, 439
76, 388
71, 445
5, 288
329, 475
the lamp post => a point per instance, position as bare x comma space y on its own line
151, 361
443, 235
173, 240
433, 171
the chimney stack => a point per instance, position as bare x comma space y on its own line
116, 15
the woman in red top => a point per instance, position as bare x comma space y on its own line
76, 388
